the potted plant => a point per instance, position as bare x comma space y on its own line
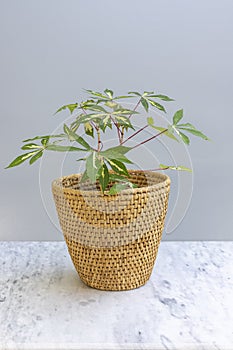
112, 218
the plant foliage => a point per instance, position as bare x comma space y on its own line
93, 117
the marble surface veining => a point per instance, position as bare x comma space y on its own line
187, 304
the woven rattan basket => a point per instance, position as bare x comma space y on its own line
113, 240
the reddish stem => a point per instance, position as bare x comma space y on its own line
151, 138
118, 129
135, 108
137, 132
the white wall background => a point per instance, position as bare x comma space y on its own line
51, 49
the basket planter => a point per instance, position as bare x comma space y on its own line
113, 240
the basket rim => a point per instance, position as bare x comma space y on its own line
165, 181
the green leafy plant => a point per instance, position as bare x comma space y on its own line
100, 112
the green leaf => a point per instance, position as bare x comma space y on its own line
94, 107
172, 167
84, 177
123, 159
177, 116
118, 187
31, 146
96, 93
71, 107
195, 132
45, 136
36, 157
134, 93
74, 137
109, 93
167, 133
111, 104
124, 121
118, 166
150, 121
103, 177
145, 104
124, 111
89, 130
186, 125
162, 97
184, 138
120, 97
115, 152
146, 93
59, 148
20, 159
93, 165
45, 141
116, 178
156, 105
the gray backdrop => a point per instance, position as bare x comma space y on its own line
51, 49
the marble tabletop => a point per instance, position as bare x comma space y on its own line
187, 304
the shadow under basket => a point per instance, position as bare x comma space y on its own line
113, 240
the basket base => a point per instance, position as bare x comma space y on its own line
111, 268
117, 288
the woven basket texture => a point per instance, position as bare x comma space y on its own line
113, 240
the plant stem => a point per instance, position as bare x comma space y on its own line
122, 136
135, 108
137, 132
99, 141
119, 133
157, 169
122, 132
151, 138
